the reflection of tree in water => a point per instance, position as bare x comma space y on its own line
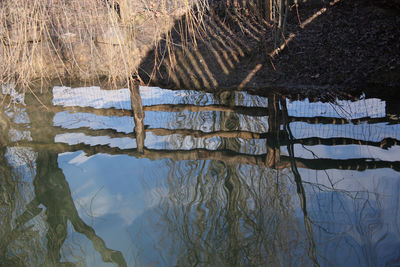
8, 203
231, 215
353, 227
332, 221
51, 190
311, 250
19, 245
216, 212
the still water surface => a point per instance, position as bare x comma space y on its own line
227, 179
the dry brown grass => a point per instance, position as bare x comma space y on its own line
53, 39
43, 40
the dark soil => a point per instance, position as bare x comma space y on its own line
354, 44
351, 47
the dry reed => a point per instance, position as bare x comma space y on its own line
48, 39
43, 40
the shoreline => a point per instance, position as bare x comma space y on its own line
348, 48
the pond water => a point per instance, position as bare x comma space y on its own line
227, 179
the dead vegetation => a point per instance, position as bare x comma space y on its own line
331, 46
199, 44
43, 40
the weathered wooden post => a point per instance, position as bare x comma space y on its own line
138, 113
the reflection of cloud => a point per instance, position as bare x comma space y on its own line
80, 138
128, 214
84, 186
95, 201
79, 159
100, 203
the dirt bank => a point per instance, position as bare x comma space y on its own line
42, 40
346, 46
354, 44
342, 46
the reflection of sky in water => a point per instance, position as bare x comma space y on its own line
18, 114
105, 184
120, 99
204, 121
345, 152
77, 138
22, 161
95, 122
373, 108
152, 141
117, 194
363, 131
355, 215
351, 211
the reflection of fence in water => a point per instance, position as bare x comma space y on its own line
385, 124
362, 122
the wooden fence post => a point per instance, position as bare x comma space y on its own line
138, 114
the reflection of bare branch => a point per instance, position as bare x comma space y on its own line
52, 191
312, 250
226, 214
8, 203
336, 121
